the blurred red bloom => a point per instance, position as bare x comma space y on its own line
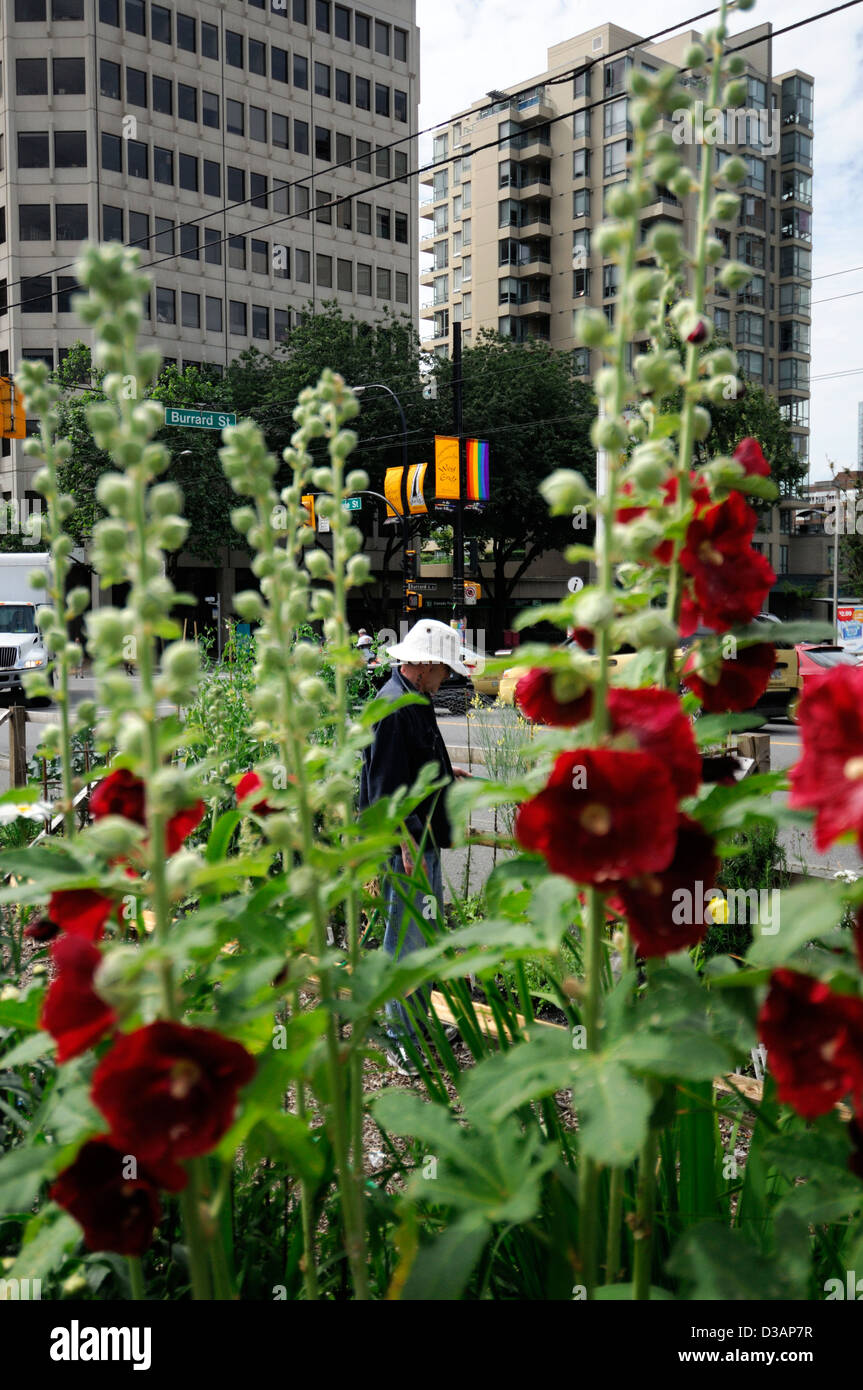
169, 1091
749, 453
181, 825
664, 552
117, 1211
248, 785
741, 682
665, 910
121, 793
658, 725
535, 697
828, 779
81, 911
43, 929
814, 1040
730, 580
605, 815
73, 1013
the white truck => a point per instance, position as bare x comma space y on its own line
21, 645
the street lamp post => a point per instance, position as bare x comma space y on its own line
406, 528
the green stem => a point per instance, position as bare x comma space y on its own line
615, 1214
310, 1271
645, 1200
195, 1240
136, 1279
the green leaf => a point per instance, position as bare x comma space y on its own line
45, 1252
713, 728
441, 1269
30, 1049
402, 1112
613, 1110
722, 1264
220, 836
507, 1080
22, 1173
22, 1014
624, 1293
283, 1135
679, 1053
806, 913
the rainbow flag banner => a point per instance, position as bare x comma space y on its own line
477, 470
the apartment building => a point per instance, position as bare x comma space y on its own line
512, 211
218, 136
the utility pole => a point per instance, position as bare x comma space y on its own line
458, 518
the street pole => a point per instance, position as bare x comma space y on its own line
458, 521
406, 527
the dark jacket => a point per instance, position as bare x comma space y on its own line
403, 743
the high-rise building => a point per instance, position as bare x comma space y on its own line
511, 223
190, 129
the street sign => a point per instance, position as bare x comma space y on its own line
472, 591
199, 419
352, 504
575, 584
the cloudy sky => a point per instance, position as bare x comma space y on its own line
472, 46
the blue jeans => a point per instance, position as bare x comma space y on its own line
403, 935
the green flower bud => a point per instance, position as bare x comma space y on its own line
249, 605
356, 481
591, 328
565, 489
358, 570
735, 275
318, 564
694, 56
725, 207
733, 170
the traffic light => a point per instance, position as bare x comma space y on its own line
309, 503
413, 600
411, 568
13, 424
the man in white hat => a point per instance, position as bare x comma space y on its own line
405, 741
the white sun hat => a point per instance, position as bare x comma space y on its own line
429, 642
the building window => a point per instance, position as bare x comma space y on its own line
237, 318
210, 109
139, 230
136, 87
581, 164
163, 96
258, 190
190, 246
581, 125
322, 16
189, 172
400, 165
614, 158
382, 224
323, 144
301, 72
343, 86
214, 314
29, 11
71, 219
187, 36
109, 12
260, 321
31, 77
233, 49
212, 179
237, 252
581, 83
345, 276
615, 117
163, 241
34, 221
364, 218
302, 266
212, 246
298, 11
364, 278
322, 79
581, 203
33, 150
136, 19
343, 148
401, 228
402, 283
382, 99
260, 257
362, 29
280, 131
257, 58
258, 124
109, 80
190, 310
163, 165
160, 24
236, 185
112, 223
324, 271
187, 102
382, 38
36, 295
363, 93
166, 311
235, 117
67, 285
400, 105
383, 283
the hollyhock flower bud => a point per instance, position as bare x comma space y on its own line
741, 682
170, 1091
117, 1211
73, 1013
815, 1041
699, 333
605, 815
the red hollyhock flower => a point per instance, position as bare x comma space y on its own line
248, 785
814, 1040
858, 935
121, 793
181, 825
657, 724
73, 1013
666, 910
828, 779
117, 1212
664, 552
81, 911
730, 580
605, 815
535, 697
741, 682
169, 1091
584, 637
43, 929
749, 453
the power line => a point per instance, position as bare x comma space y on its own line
427, 168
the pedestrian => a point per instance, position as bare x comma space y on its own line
404, 742
364, 645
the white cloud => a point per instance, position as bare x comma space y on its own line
471, 47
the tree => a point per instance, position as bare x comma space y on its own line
756, 414
527, 401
